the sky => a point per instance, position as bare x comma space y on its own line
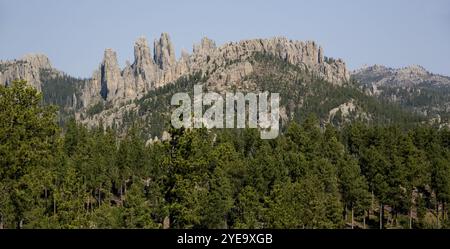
74, 34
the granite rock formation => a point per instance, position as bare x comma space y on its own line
148, 71
26, 68
378, 76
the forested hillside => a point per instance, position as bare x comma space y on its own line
302, 93
413, 87
360, 174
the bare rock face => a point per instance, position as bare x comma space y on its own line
110, 77
164, 52
116, 85
107, 117
333, 72
234, 74
377, 75
130, 85
206, 56
205, 47
182, 65
147, 72
345, 109
106, 82
27, 68
144, 66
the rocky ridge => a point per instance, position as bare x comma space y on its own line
149, 72
26, 68
412, 87
378, 76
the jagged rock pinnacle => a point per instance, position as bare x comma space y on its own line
164, 53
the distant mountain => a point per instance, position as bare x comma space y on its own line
27, 68
412, 87
413, 75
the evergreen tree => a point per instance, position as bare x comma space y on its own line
28, 138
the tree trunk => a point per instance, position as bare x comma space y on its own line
411, 210
345, 213
91, 203
381, 215
364, 220
437, 214
395, 218
373, 200
352, 219
99, 197
54, 206
410, 217
444, 211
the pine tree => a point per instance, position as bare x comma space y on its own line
28, 137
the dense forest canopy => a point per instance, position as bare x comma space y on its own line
311, 176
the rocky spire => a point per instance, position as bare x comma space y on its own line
320, 55
110, 77
164, 53
206, 45
142, 57
143, 63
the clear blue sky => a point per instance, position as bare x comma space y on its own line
74, 34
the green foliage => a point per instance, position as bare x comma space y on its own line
311, 176
303, 93
28, 139
59, 89
96, 109
424, 97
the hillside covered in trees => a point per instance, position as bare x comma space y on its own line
313, 175
302, 93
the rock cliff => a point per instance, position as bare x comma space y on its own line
26, 68
148, 71
378, 75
